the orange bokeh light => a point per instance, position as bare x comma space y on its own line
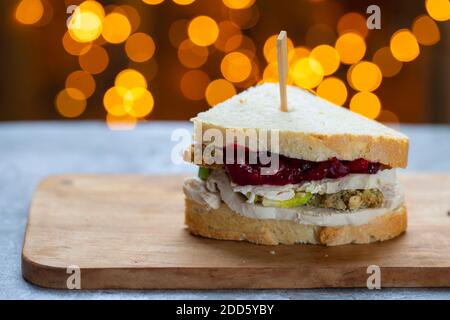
191, 55
366, 104
333, 90
218, 91
236, 67
351, 47
426, 31
328, 57
116, 28
388, 65
95, 60
140, 47
82, 81
29, 11
203, 31
193, 84
70, 103
364, 76
404, 45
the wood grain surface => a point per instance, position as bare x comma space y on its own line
128, 232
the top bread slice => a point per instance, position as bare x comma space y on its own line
313, 129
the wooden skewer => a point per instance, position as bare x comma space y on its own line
282, 56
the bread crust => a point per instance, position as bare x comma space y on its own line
224, 224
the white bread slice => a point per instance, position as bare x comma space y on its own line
313, 129
224, 224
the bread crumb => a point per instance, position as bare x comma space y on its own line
326, 256
243, 101
272, 252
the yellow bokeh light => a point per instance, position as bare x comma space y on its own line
238, 4
74, 47
333, 90
121, 123
351, 47
140, 47
270, 48
95, 60
191, 55
296, 54
113, 102
307, 73
92, 6
426, 30
236, 67
138, 102
193, 84
218, 91
153, 1
328, 57
203, 31
29, 11
116, 28
439, 10
85, 25
70, 103
129, 79
366, 104
183, 2
353, 22
82, 81
364, 76
404, 46
388, 65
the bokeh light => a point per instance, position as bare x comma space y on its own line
242, 44
439, 10
95, 60
353, 22
238, 4
307, 73
132, 15
270, 48
193, 84
364, 76
228, 30
328, 57
73, 47
183, 2
29, 11
129, 79
140, 47
218, 91
138, 102
191, 55
388, 65
70, 103
296, 54
153, 1
116, 28
113, 102
426, 30
333, 90
404, 46
82, 81
236, 67
351, 47
85, 24
203, 31
366, 104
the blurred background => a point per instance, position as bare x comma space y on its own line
131, 61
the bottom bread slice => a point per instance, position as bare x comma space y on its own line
224, 224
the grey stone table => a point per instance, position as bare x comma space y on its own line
31, 151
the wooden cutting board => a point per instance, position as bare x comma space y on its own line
128, 232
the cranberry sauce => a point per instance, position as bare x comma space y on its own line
292, 171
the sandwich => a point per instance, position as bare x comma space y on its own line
317, 174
